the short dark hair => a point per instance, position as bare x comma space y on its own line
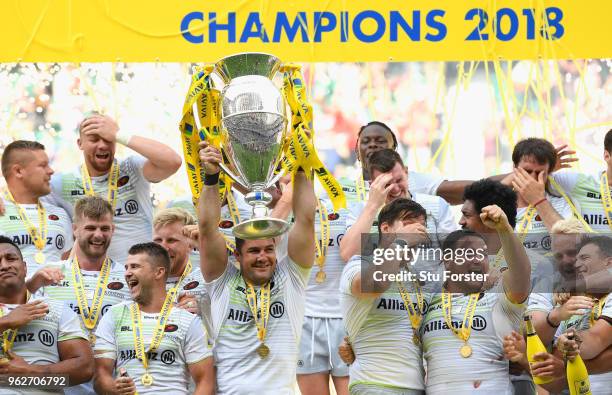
93, 207
240, 243
608, 141
7, 240
454, 237
376, 123
158, 255
8, 156
384, 161
399, 209
540, 149
487, 192
604, 244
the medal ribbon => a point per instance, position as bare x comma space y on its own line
113, 178
462, 333
606, 199
298, 149
577, 214
39, 238
261, 320
158, 333
9, 335
596, 310
90, 316
415, 316
360, 188
201, 93
321, 244
235, 216
175, 290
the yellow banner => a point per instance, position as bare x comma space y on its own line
303, 31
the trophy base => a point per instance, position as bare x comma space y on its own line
261, 228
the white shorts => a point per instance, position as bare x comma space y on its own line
321, 338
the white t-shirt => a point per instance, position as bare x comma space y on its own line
37, 342
240, 370
381, 336
59, 232
495, 317
133, 208
184, 343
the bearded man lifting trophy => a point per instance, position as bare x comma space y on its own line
247, 120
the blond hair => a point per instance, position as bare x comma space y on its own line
567, 226
171, 215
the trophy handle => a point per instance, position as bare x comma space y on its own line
232, 176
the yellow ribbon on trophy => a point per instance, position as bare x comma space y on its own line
299, 150
206, 99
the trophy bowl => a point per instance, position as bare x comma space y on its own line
253, 126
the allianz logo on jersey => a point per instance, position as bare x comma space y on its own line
43, 336
595, 219
167, 357
479, 323
26, 239
277, 310
77, 310
394, 304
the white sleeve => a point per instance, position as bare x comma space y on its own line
354, 310
423, 183
69, 326
352, 267
137, 162
566, 180
446, 220
55, 197
540, 302
105, 335
507, 316
196, 344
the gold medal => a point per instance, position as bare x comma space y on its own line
321, 276
39, 257
466, 351
4, 360
263, 351
147, 380
416, 340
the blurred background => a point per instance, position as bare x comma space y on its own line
456, 119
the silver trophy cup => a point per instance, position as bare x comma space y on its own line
253, 125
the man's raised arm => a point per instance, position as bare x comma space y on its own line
301, 244
213, 253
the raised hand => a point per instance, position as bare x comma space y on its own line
102, 126
25, 313
210, 157
494, 217
532, 191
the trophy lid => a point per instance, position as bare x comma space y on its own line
244, 64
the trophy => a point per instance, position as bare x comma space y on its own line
253, 128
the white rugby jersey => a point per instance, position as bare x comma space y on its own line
495, 317
133, 209
322, 299
537, 238
584, 190
184, 343
59, 232
115, 292
37, 341
381, 336
240, 370
600, 383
